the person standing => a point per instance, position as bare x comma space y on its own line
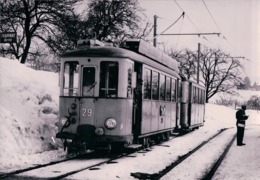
241, 118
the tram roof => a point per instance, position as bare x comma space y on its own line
109, 51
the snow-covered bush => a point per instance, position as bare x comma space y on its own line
254, 102
226, 102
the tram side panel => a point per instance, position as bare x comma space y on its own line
147, 117
196, 117
158, 109
155, 116
170, 115
158, 116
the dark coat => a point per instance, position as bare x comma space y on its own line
241, 116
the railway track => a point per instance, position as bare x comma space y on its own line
87, 156
92, 161
209, 173
100, 160
216, 165
12, 173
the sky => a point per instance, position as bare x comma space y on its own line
236, 20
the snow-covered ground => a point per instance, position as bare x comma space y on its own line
28, 113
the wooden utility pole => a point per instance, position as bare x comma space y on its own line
155, 30
198, 65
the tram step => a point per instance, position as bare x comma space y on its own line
175, 133
134, 146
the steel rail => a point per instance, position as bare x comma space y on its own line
216, 165
167, 169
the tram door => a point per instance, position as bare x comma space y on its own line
87, 105
137, 101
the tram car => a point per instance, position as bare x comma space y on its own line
192, 105
127, 96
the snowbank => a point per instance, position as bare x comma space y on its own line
28, 112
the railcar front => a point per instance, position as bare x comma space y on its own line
96, 101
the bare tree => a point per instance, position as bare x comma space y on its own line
70, 28
31, 19
113, 19
187, 60
220, 72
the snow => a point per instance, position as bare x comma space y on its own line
243, 163
28, 117
28, 113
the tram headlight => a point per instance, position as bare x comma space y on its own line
110, 123
63, 120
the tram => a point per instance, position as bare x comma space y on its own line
125, 96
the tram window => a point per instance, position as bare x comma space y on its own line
162, 87
89, 82
201, 96
193, 95
129, 82
196, 95
179, 92
147, 83
71, 75
168, 89
108, 79
204, 96
173, 92
155, 85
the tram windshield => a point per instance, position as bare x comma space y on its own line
108, 79
71, 75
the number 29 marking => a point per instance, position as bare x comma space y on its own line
87, 112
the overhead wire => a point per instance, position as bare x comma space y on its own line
211, 15
218, 27
179, 36
187, 15
223, 37
213, 21
182, 15
191, 21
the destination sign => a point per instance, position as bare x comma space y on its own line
8, 37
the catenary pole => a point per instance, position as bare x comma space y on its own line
155, 30
198, 65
